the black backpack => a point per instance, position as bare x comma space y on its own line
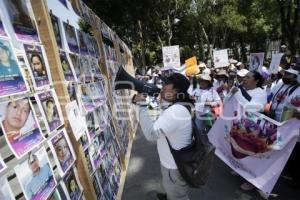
195, 162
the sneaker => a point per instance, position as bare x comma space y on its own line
247, 186
161, 196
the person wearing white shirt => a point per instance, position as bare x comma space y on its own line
174, 123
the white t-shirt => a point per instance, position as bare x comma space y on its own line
258, 98
176, 123
203, 96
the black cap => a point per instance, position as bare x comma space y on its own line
179, 81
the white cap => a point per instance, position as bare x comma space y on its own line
242, 72
202, 65
238, 64
206, 71
292, 71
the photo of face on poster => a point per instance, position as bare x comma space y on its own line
95, 153
20, 127
35, 176
85, 98
100, 117
90, 121
256, 61
76, 121
88, 161
95, 69
72, 91
85, 69
71, 37
82, 43
5, 190
65, 64
2, 29
38, 65
50, 108
94, 93
56, 30
23, 24
11, 78
72, 185
63, 151
84, 140
75, 64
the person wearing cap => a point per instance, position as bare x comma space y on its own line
175, 123
241, 75
8, 66
206, 99
40, 176
281, 92
220, 84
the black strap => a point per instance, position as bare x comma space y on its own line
293, 89
245, 93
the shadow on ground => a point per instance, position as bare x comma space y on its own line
143, 179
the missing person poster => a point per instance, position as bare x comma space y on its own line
256, 61
49, 105
5, 190
39, 67
83, 46
36, 176
56, 30
171, 56
75, 65
2, 165
276, 57
22, 21
73, 185
11, 77
71, 37
20, 126
221, 58
76, 121
65, 64
63, 151
86, 100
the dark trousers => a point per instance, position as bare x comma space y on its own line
293, 164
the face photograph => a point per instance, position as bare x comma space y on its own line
20, 126
35, 176
75, 63
66, 67
50, 108
71, 37
72, 185
62, 151
86, 99
37, 65
23, 24
11, 79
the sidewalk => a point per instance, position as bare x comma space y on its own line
143, 179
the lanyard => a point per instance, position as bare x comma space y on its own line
279, 102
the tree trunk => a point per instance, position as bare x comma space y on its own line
142, 43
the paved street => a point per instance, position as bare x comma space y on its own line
143, 179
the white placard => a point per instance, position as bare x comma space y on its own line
171, 56
273, 69
221, 58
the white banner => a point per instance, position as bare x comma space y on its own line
273, 69
221, 58
171, 56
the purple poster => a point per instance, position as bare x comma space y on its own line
75, 64
86, 100
20, 127
71, 37
11, 79
36, 176
50, 108
56, 30
83, 44
23, 24
38, 65
65, 64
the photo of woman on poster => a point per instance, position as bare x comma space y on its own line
38, 65
72, 185
64, 154
66, 67
48, 104
20, 126
11, 79
85, 98
75, 64
23, 24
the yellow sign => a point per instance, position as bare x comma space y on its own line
191, 67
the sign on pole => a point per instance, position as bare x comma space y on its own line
273, 69
191, 67
171, 56
256, 61
221, 58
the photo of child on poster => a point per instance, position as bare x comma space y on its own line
5, 190
20, 127
56, 30
72, 185
62, 151
50, 108
35, 176
11, 78
66, 66
38, 65
71, 37
23, 24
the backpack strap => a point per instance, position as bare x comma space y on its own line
293, 89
